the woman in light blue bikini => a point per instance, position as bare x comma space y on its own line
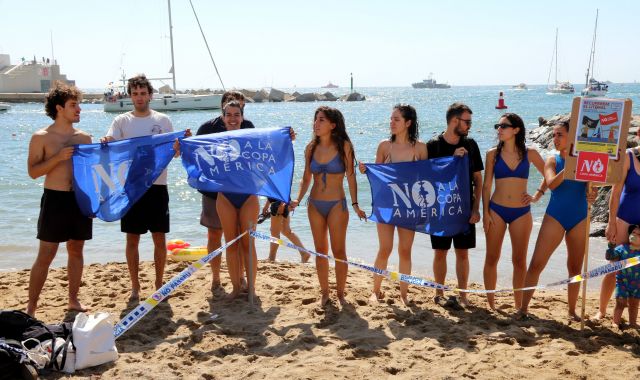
401, 146
237, 212
510, 202
329, 157
565, 218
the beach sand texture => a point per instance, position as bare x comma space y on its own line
287, 335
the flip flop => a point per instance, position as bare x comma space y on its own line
453, 304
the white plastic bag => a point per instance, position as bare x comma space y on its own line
41, 354
94, 340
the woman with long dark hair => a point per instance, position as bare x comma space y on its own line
509, 205
401, 146
329, 157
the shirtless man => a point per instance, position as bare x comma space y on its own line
50, 151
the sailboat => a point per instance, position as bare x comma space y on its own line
559, 87
593, 87
118, 101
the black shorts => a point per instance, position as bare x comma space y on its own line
209, 215
465, 240
60, 218
149, 213
275, 205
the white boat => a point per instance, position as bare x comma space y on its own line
559, 87
5, 107
118, 101
592, 86
520, 87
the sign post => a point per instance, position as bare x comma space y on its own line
598, 134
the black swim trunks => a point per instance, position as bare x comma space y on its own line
60, 218
464, 240
149, 213
275, 205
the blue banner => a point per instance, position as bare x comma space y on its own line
429, 196
245, 161
109, 178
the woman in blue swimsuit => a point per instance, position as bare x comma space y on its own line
565, 218
329, 157
237, 212
624, 210
510, 202
402, 146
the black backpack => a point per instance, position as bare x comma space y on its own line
19, 326
15, 363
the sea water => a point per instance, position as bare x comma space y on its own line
367, 124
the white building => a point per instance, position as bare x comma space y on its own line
29, 75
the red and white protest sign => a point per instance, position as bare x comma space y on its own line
608, 119
592, 166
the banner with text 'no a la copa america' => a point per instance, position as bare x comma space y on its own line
247, 161
109, 178
428, 196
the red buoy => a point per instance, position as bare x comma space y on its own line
501, 105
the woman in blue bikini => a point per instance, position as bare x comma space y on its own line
510, 202
329, 157
237, 212
401, 146
565, 217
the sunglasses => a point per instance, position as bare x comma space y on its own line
465, 120
502, 126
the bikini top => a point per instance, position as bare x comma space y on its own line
632, 183
502, 170
334, 166
388, 160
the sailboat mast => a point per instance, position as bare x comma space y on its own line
593, 53
556, 49
173, 65
595, 34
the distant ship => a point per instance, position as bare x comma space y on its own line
429, 83
330, 85
520, 86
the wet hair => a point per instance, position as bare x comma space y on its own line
232, 103
456, 110
229, 96
521, 145
338, 134
631, 228
58, 95
563, 123
139, 80
408, 113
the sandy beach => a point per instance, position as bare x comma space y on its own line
194, 335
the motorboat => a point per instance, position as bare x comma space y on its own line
429, 83
5, 107
520, 87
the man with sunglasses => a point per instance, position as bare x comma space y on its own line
454, 142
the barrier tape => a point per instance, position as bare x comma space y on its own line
396, 276
145, 307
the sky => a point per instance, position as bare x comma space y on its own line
287, 44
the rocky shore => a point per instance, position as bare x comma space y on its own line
542, 136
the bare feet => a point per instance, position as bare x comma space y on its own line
77, 306
215, 284
522, 316
324, 299
272, 258
464, 301
376, 298
573, 317
234, 294
405, 300
598, 317
304, 257
135, 295
31, 310
244, 287
343, 301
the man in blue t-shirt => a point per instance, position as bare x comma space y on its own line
454, 142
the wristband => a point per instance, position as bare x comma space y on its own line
354, 203
540, 190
